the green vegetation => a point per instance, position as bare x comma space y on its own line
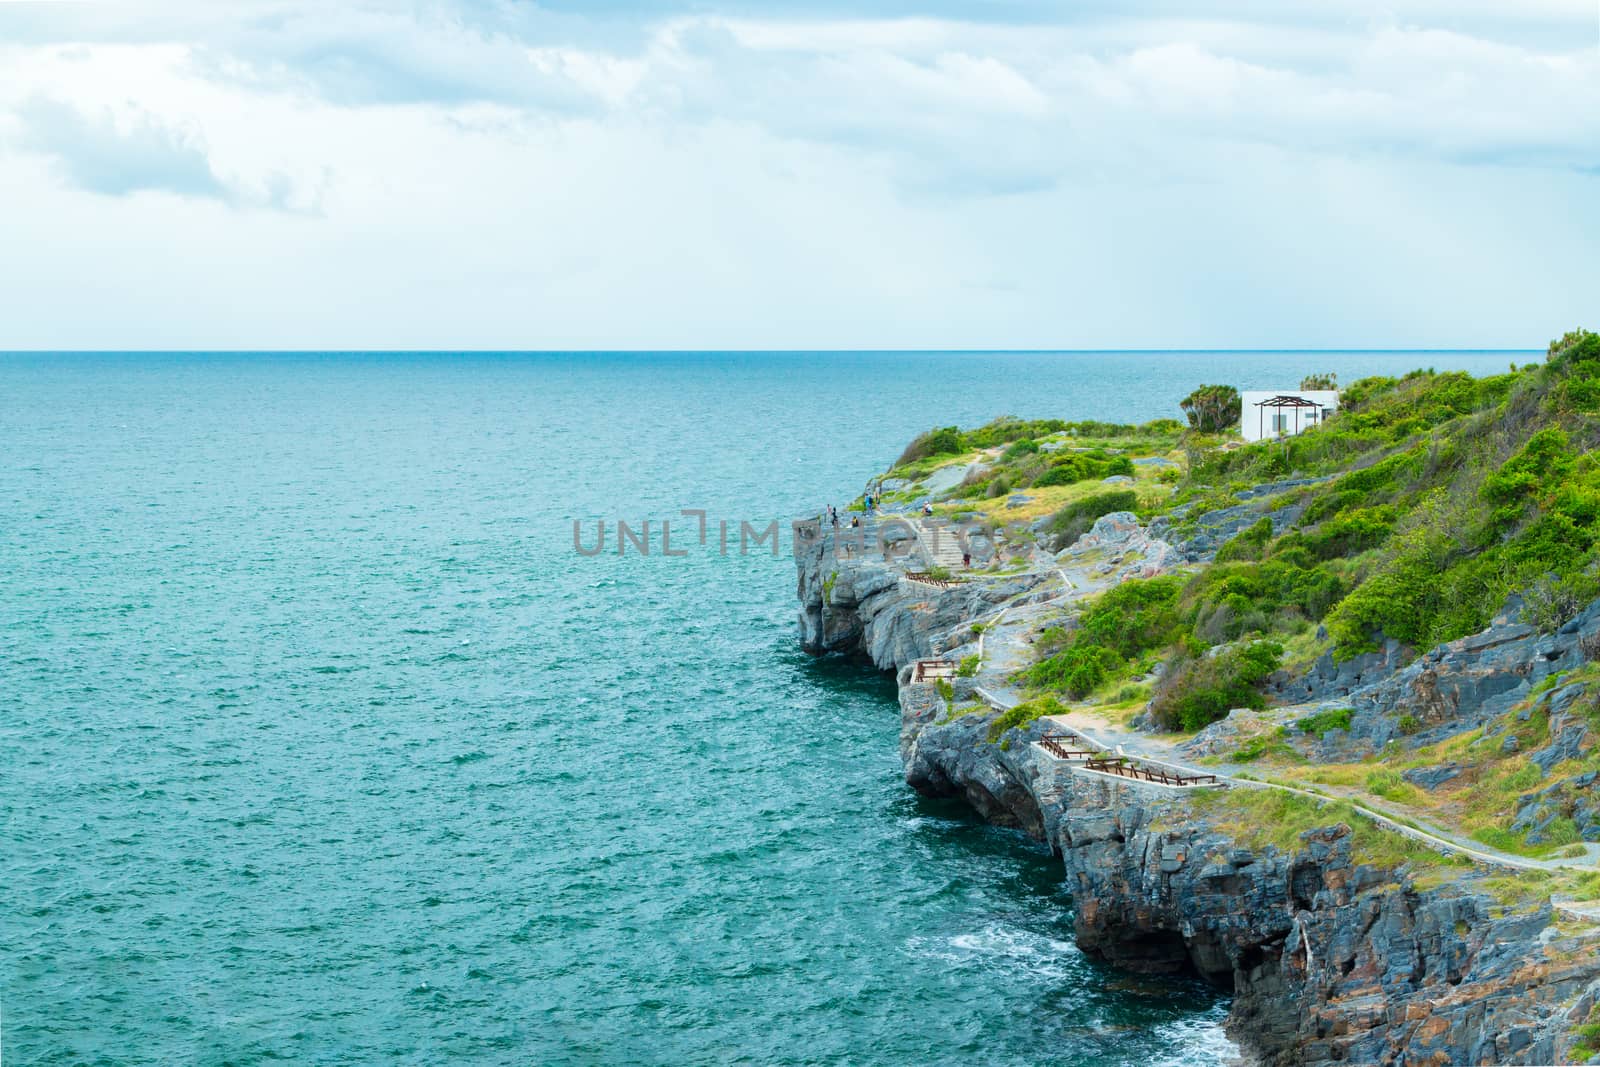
1454, 492
1444, 495
1198, 690
1127, 623
945, 441
1212, 408
1389, 785
1074, 520
1261, 817
1083, 466
967, 667
1023, 714
1588, 1037
1323, 721
1270, 744
1077, 452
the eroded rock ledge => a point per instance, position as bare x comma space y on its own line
1331, 961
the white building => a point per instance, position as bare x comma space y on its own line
1284, 412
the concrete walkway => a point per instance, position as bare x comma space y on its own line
1160, 753
1008, 650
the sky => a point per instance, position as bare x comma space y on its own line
646, 174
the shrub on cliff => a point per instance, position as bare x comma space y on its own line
1126, 624
1212, 408
1023, 714
944, 441
1449, 493
1248, 544
1080, 467
1074, 520
1077, 670
1197, 691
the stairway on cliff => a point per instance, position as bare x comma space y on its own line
939, 544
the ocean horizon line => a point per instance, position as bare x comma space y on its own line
744, 351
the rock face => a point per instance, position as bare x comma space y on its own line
855, 598
1457, 686
1216, 528
1331, 961
1130, 550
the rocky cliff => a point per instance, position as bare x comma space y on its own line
855, 597
1332, 957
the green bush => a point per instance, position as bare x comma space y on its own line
1232, 599
1351, 532
1023, 714
1126, 623
1323, 721
1134, 617
967, 667
1077, 670
1195, 692
1575, 346
1388, 784
1075, 519
1247, 544
944, 441
1083, 466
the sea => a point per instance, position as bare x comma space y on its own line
327, 737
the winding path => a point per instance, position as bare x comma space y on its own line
1146, 750
1014, 652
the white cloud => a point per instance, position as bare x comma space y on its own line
102, 155
506, 175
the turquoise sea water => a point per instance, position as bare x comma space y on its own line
320, 744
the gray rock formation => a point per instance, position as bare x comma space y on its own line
1130, 550
855, 598
1331, 961
1457, 686
1431, 778
1274, 488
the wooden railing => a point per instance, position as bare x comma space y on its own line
930, 669
1057, 746
928, 579
1147, 774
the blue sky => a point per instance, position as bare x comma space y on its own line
880, 173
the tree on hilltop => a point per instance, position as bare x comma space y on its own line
1212, 408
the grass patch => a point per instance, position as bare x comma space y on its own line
1269, 745
1023, 714
1323, 721
1261, 817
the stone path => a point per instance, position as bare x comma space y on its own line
1161, 753
939, 544
1008, 651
